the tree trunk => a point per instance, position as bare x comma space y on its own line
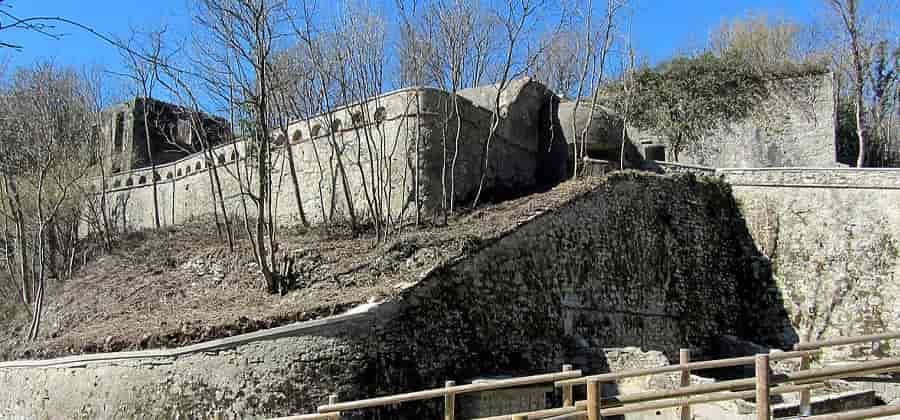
153, 175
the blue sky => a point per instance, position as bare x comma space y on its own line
661, 27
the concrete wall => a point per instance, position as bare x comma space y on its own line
399, 153
659, 262
793, 127
833, 236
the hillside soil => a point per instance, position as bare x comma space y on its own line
182, 285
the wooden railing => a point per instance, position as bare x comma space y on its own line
594, 407
333, 409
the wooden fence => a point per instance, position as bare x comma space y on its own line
760, 387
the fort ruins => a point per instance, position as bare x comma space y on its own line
759, 236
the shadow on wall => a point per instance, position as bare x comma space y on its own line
637, 260
602, 133
562, 124
766, 324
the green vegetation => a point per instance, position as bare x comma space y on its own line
686, 98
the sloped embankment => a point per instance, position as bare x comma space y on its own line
632, 259
180, 286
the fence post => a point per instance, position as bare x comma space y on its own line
762, 387
593, 399
449, 402
333, 399
805, 397
568, 401
684, 357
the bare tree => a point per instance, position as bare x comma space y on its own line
559, 61
848, 13
244, 33
763, 42
144, 74
45, 134
98, 204
515, 20
597, 46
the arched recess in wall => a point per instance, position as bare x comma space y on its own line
380, 114
235, 155
295, 138
117, 183
179, 172
314, 131
221, 159
187, 170
169, 175
280, 140
142, 180
198, 166
356, 118
336, 125
156, 176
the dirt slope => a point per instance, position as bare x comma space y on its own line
179, 286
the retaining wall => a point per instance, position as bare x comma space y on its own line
659, 262
833, 236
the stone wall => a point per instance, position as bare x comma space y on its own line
793, 127
833, 236
398, 153
659, 262
124, 135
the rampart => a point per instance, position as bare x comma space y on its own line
393, 155
398, 156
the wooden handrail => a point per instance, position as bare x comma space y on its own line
570, 416
441, 392
701, 399
763, 390
540, 414
330, 416
802, 381
841, 341
800, 378
870, 413
709, 364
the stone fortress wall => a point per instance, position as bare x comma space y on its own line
795, 126
557, 284
397, 151
832, 236
815, 222
772, 254
392, 149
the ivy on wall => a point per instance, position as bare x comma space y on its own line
686, 99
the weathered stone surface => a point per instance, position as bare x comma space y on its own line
833, 237
400, 153
124, 139
528, 116
794, 127
658, 262
602, 137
